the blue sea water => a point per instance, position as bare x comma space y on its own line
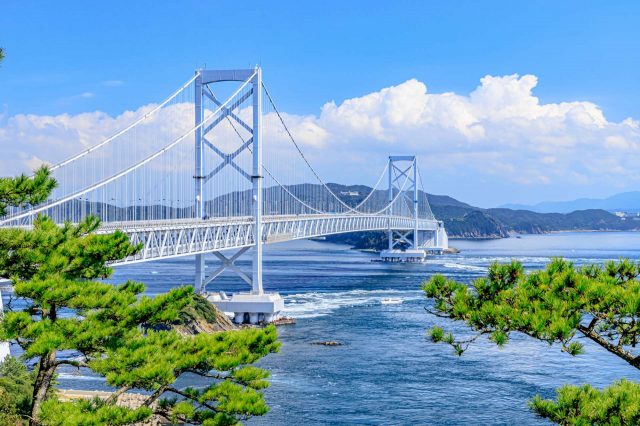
387, 371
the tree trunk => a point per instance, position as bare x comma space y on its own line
46, 371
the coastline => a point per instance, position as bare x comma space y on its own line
559, 231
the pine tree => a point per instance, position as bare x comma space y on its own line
557, 305
23, 190
114, 330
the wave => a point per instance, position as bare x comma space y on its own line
465, 267
72, 376
317, 304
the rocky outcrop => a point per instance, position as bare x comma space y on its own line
202, 317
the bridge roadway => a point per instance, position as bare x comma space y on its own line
164, 239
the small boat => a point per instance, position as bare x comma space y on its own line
391, 301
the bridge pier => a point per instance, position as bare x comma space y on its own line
199, 283
251, 307
404, 256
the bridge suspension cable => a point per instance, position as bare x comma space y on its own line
124, 130
428, 212
31, 212
350, 209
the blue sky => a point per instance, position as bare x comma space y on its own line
73, 57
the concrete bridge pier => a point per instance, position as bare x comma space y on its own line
253, 307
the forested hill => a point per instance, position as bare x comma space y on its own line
465, 221
473, 222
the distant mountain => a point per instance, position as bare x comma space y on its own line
445, 200
462, 220
625, 201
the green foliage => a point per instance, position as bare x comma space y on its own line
89, 413
110, 314
117, 332
69, 252
618, 404
551, 305
575, 348
555, 305
108, 333
16, 387
23, 190
1, 54
436, 334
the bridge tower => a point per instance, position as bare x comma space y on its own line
256, 305
403, 188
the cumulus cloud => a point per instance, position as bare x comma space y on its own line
500, 132
500, 128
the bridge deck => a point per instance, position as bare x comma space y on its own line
166, 239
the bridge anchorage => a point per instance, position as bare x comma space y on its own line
191, 177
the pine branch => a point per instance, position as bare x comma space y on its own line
437, 314
154, 396
113, 398
172, 418
77, 364
191, 398
614, 349
209, 375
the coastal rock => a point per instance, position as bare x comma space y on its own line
284, 321
328, 343
200, 317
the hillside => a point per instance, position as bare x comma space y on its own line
465, 221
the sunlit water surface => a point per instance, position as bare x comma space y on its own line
387, 372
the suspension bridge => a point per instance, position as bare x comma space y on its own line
215, 169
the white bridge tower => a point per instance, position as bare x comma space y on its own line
409, 244
254, 306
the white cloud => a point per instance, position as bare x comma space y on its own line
500, 132
501, 128
112, 83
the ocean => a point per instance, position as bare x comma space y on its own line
387, 371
